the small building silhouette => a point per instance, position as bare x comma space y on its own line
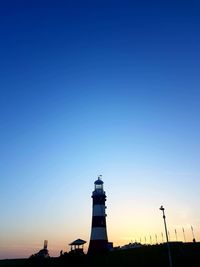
77, 246
43, 253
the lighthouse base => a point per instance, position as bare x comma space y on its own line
98, 246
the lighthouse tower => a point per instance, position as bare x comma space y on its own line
98, 238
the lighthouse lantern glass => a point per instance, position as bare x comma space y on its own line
98, 187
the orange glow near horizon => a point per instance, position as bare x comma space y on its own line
119, 235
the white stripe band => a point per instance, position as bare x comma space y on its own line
98, 210
99, 233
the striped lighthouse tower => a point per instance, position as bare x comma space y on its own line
98, 238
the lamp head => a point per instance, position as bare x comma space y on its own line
161, 208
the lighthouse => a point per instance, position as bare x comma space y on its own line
98, 238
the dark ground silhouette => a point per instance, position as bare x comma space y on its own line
183, 255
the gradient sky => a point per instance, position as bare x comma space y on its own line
98, 87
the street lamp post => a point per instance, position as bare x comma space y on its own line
169, 252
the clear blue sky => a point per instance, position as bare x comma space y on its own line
97, 87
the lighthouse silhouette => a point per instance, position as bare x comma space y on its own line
98, 237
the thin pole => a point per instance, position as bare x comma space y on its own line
162, 237
169, 235
169, 252
193, 234
156, 238
184, 234
176, 235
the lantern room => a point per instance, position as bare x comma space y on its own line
98, 184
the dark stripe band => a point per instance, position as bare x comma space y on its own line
98, 221
99, 200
